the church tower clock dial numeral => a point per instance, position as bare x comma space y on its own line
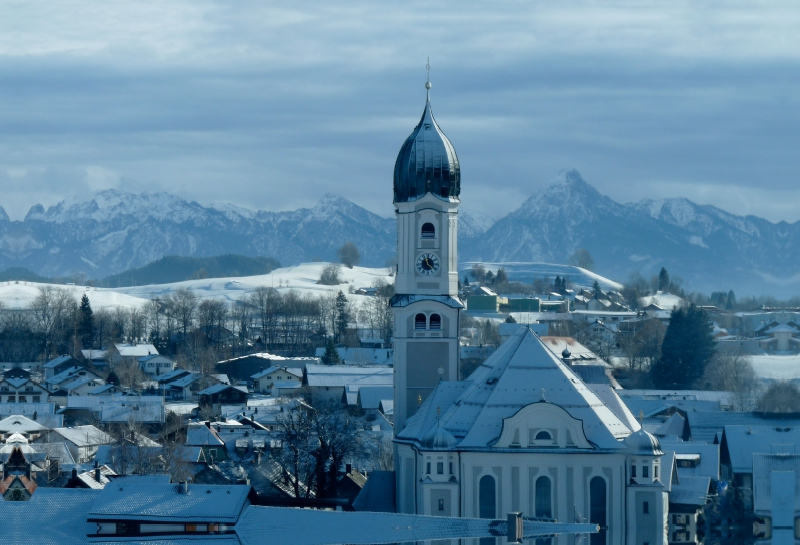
427, 264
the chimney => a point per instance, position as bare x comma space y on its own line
183, 487
97, 474
74, 473
96, 464
35, 415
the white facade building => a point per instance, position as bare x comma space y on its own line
523, 432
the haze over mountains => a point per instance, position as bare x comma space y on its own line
708, 247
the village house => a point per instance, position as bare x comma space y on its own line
278, 380
122, 353
155, 365
22, 390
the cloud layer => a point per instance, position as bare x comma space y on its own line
271, 105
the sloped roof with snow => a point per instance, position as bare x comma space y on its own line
201, 435
513, 378
166, 502
20, 424
85, 436
342, 375
136, 350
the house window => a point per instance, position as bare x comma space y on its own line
428, 468
36, 399
451, 468
487, 497
645, 471
655, 471
597, 510
23, 399
543, 436
420, 322
441, 505
646, 508
633, 471
440, 468
436, 321
544, 507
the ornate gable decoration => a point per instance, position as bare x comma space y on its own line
542, 425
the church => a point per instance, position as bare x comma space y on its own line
523, 432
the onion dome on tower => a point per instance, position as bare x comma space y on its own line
427, 162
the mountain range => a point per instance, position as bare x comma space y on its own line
709, 248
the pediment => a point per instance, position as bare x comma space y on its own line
542, 425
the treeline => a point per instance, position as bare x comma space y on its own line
199, 331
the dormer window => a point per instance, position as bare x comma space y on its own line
543, 436
428, 230
420, 322
436, 321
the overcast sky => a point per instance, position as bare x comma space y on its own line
270, 105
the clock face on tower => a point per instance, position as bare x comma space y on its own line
427, 264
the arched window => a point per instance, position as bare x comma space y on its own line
428, 230
436, 321
543, 436
597, 509
487, 497
419, 321
544, 506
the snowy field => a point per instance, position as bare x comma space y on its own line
19, 294
301, 278
776, 367
526, 272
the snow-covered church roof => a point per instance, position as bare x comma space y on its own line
519, 373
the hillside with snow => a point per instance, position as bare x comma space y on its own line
300, 278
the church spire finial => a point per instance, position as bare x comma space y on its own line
428, 81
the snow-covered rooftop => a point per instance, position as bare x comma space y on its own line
512, 378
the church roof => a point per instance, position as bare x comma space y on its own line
427, 162
515, 376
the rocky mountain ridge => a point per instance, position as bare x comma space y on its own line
708, 247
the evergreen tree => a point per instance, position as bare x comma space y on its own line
688, 346
663, 279
466, 280
501, 278
557, 284
112, 378
331, 355
86, 323
342, 315
596, 288
731, 302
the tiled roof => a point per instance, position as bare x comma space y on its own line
19, 423
82, 436
512, 378
55, 362
325, 527
59, 515
377, 494
167, 502
342, 375
201, 435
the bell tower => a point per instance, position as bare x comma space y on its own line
427, 185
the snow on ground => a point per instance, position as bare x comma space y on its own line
665, 300
773, 367
19, 294
526, 272
301, 278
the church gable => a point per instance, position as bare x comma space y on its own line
542, 425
